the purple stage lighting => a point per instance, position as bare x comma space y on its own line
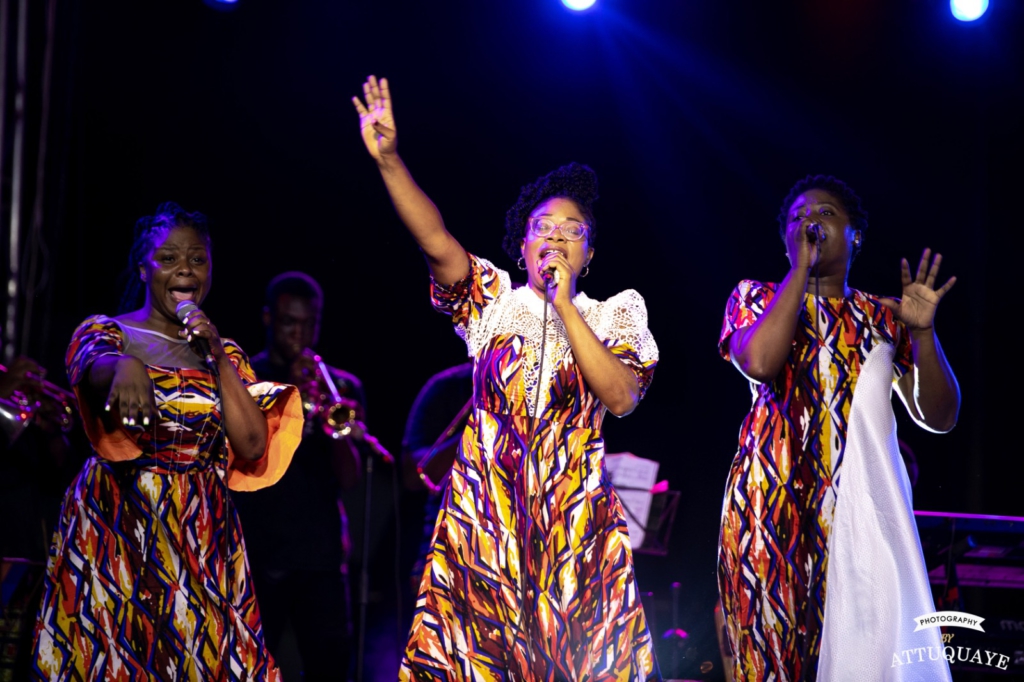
222, 5
968, 10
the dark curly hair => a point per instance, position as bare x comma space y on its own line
573, 181
837, 188
168, 215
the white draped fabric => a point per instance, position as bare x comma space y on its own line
877, 582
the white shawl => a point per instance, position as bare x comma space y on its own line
877, 581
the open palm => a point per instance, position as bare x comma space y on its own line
376, 122
916, 308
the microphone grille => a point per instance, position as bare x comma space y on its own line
184, 309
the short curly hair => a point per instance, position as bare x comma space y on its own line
837, 188
168, 215
573, 181
294, 283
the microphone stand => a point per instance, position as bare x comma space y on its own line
375, 449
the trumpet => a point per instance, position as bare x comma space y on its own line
340, 417
18, 411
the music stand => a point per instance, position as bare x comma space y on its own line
660, 520
659, 523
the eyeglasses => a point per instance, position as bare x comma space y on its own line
570, 229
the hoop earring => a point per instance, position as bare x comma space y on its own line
521, 263
586, 271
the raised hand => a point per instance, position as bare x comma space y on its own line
376, 122
916, 308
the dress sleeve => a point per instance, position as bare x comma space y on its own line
98, 336
282, 407
622, 327
747, 303
467, 299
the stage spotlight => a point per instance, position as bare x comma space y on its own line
968, 10
578, 5
222, 5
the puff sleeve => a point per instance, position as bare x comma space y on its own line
746, 304
97, 336
622, 327
467, 299
282, 407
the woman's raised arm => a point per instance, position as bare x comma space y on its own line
446, 258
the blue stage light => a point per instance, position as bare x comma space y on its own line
968, 10
578, 5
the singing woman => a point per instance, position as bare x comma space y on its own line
147, 577
818, 473
530, 574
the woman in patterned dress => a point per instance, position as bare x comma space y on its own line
147, 577
530, 575
803, 344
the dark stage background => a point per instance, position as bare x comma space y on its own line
697, 117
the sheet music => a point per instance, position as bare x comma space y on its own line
633, 478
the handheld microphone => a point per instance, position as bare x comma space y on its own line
550, 277
184, 309
815, 233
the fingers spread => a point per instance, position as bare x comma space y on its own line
933, 272
905, 272
946, 287
359, 106
368, 95
922, 266
375, 89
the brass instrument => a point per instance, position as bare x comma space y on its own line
15, 415
18, 411
340, 416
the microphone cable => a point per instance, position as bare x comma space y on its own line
819, 339
803, 366
524, 473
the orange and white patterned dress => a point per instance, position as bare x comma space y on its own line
783, 485
530, 575
147, 577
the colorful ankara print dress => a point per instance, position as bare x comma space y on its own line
147, 577
782, 487
530, 575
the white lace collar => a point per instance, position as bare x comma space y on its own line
535, 304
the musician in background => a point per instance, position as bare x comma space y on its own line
296, 532
37, 457
429, 446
